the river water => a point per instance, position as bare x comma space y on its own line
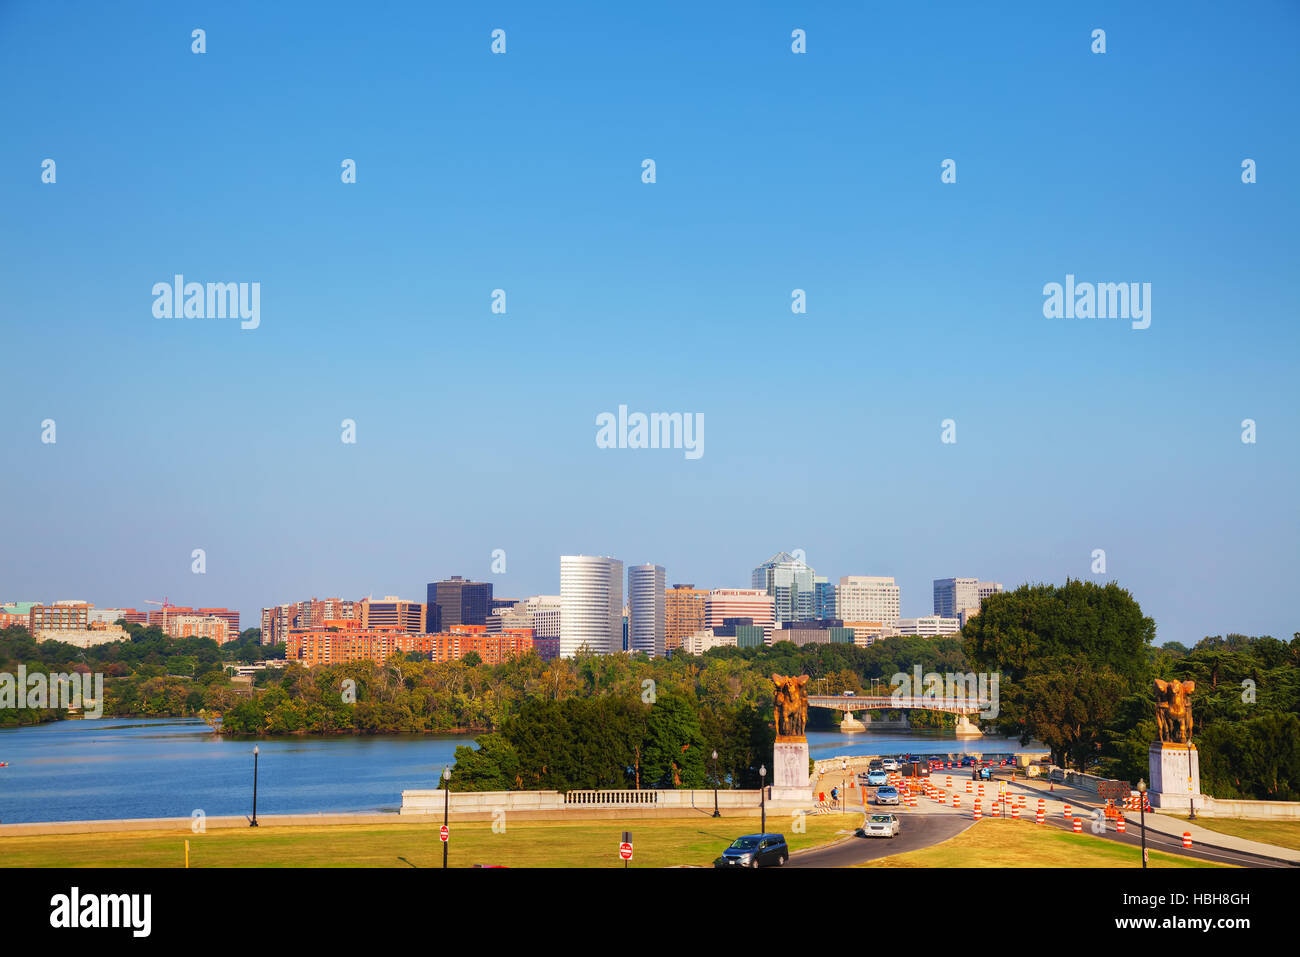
170, 767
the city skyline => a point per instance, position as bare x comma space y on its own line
252, 618
784, 179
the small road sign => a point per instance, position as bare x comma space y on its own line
625, 850
444, 834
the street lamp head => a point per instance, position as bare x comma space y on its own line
763, 770
715, 755
254, 749
1142, 784
446, 774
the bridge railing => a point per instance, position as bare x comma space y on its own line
878, 703
611, 798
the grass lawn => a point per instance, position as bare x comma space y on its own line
657, 843
1003, 843
1281, 833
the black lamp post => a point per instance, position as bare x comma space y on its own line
762, 797
844, 785
446, 806
715, 785
253, 820
1142, 810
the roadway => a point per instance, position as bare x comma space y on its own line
931, 823
918, 831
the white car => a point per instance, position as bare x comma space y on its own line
881, 825
889, 764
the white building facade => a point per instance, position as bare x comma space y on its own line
868, 598
647, 618
928, 626
591, 604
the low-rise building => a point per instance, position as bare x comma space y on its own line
866, 633
928, 626
83, 637
824, 631
697, 643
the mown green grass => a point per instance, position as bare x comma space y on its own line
1281, 833
1002, 843
656, 843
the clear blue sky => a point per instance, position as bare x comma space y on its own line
775, 172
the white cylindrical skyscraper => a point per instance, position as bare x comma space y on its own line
591, 604
647, 618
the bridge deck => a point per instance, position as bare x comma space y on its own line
959, 705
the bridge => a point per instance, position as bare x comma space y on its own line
963, 707
851, 703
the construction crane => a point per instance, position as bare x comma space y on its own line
165, 606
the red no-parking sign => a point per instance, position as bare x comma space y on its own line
444, 834
625, 850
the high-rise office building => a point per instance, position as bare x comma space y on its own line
953, 595
823, 598
455, 601
684, 608
753, 603
647, 616
392, 612
867, 598
790, 583
591, 604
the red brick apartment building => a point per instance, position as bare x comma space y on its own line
341, 639
163, 618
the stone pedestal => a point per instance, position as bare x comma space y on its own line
1175, 775
790, 772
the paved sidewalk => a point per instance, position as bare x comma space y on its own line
1203, 835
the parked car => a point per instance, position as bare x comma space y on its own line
881, 825
876, 778
848, 694
755, 850
887, 795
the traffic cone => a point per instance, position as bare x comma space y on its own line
1119, 825
1078, 825
1187, 838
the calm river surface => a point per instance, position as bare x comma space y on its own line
169, 767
